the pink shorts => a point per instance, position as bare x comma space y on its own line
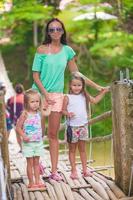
58, 98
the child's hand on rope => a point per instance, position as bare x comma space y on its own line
104, 90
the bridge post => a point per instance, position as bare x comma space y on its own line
4, 138
122, 118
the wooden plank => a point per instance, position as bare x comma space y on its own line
77, 196
81, 187
45, 195
38, 195
24, 191
58, 190
97, 187
85, 194
94, 194
19, 192
67, 191
51, 191
32, 196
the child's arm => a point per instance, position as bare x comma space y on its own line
43, 125
19, 127
64, 108
89, 82
98, 98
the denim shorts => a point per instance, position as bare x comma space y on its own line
32, 149
79, 133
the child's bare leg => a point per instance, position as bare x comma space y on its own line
83, 156
36, 169
72, 157
30, 171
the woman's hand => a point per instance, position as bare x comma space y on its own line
48, 101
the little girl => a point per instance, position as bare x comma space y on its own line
30, 129
75, 109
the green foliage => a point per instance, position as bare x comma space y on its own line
20, 20
128, 8
84, 2
103, 47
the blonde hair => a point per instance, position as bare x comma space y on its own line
27, 96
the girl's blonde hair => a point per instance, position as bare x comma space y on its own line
27, 96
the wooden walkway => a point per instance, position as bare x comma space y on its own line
98, 187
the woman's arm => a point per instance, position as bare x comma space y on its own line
37, 81
36, 78
74, 70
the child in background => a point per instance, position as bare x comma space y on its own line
30, 129
15, 106
75, 109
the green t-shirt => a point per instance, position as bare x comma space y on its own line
52, 67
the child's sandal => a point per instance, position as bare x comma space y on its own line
41, 185
31, 187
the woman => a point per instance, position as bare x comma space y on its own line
49, 66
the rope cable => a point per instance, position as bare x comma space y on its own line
90, 135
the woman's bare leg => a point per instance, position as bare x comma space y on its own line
53, 127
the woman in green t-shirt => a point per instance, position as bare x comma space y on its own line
50, 62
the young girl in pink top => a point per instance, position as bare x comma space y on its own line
30, 129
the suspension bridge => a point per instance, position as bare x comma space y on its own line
13, 179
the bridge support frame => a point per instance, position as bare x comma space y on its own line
122, 118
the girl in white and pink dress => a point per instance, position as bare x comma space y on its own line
75, 109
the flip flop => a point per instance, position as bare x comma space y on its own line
56, 177
37, 187
32, 187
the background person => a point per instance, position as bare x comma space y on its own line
15, 105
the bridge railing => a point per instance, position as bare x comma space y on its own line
4, 153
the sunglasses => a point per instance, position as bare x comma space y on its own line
52, 30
